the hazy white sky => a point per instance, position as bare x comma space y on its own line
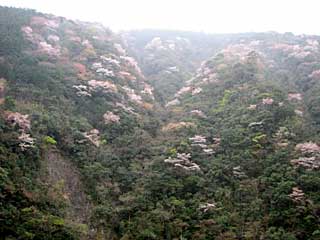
217, 16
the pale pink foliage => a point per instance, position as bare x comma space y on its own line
110, 117
183, 160
106, 85
196, 91
198, 113
93, 136
267, 101
308, 147
16, 118
252, 107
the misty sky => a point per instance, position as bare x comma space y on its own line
214, 16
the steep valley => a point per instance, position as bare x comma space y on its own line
156, 134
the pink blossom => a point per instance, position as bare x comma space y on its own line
106, 85
26, 141
16, 118
41, 21
27, 30
53, 38
93, 136
47, 48
147, 90
267, 101
196, 91
315, 74
308, 147
127, 75
132, 95
110, 117
198, 139
133, 63
81, 69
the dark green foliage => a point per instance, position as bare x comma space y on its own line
132, 192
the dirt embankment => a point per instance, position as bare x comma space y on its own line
60, 171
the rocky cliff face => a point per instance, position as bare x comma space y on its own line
156, 134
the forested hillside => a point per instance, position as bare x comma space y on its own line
156, 134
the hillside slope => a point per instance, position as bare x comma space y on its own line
156, 134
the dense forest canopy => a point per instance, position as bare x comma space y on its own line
156, 134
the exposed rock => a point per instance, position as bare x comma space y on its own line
110, 117
59, 169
